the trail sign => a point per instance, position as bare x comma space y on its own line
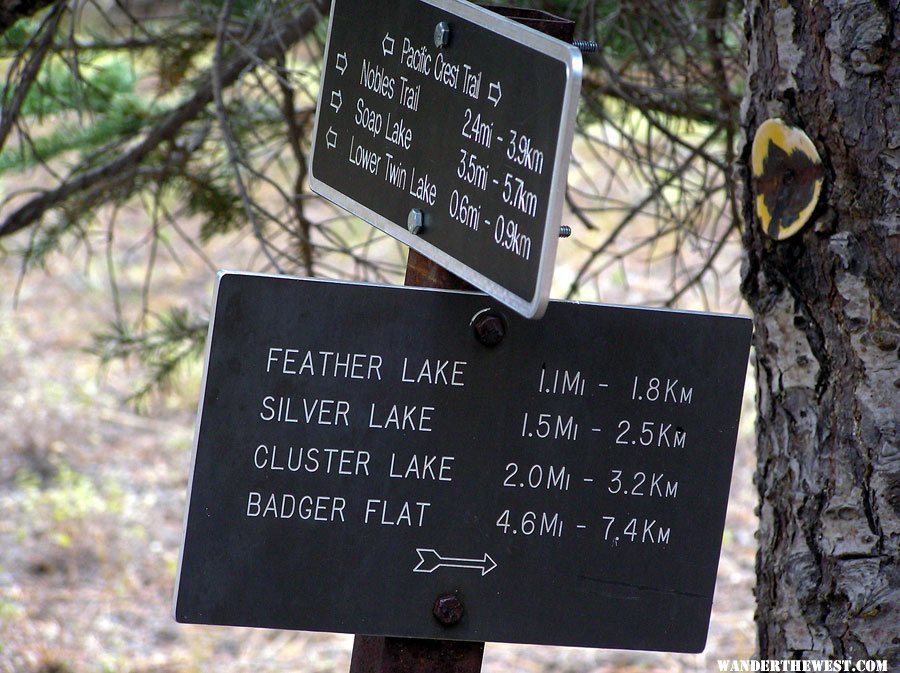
360, 452
449, 127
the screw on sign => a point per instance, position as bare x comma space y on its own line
489, 327
442, 35
448, 609
416, 221
405, 655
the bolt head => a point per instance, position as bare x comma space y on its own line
415, 222
448, 609
442, 35
489, 327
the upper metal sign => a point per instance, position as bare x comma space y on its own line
360, 454
443, 118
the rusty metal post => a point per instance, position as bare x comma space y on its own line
422, 272
411, 655
554, 26
376, 654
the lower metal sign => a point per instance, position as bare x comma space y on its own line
419, 463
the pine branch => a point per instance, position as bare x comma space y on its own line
13, 10
10, 112
289, 34
175, 339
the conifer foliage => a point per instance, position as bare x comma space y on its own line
200, 113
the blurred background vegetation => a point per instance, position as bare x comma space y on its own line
198, 115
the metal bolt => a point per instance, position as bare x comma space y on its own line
565, 231
585, 46
489, 327
442, 35
448, 609
415, 222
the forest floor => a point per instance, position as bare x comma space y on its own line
92, 499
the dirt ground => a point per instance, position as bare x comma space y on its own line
92, 497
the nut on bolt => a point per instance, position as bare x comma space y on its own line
415, 222
442, 35
448, 609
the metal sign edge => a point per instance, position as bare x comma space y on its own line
221, 273
197, 420
535, 306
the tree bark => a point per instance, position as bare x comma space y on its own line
827, 307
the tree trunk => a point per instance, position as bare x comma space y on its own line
827, 308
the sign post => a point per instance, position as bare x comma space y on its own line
377, 654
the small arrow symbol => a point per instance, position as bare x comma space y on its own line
342, 62
336, 95
430, 560
387, 45
331, 138
495, 93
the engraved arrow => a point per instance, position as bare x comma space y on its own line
430, 560
341, 64
331, 138
495, 87
387, 45
337, 105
